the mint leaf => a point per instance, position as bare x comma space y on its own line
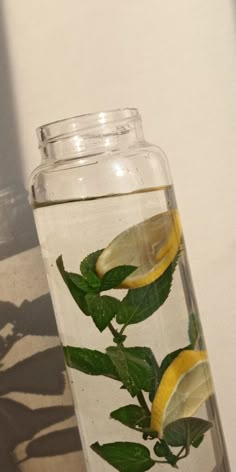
198, 441
162, 449
156, 375
147, 355
125, 456
140, 303
194, 329
66, 278
88, 269
89, 361
185, 431
88, 265
119, 338
170, 358
133, 368
81, 302
80, 282
94, 281
115, 276
102, 309
132, 416
77, 293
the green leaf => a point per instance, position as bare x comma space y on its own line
140, 303
132, 416
194, 329
133, 367
102, 309
89, 361
146, 354
76, 292
66, 278
198, 441
88, 269
170, 358
83, 306
162, 449
185, 431
125, 456
115, 276
94, 281
156, 377
119, 338
80, 282
88, 265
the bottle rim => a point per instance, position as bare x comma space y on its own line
63, 128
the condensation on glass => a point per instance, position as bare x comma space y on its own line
127, 316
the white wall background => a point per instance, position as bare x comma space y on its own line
175, 61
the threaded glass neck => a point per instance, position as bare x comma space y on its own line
90, 134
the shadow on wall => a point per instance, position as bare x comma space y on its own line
17, 229
41, 373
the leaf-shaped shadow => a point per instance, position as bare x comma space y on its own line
35, 317
44, 417
41, 373
55, 443
19, 423
7, 463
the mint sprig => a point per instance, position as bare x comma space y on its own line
134, 368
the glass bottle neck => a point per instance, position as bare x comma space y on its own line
90, 134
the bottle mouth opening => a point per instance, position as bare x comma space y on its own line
102, 123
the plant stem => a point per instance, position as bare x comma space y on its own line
123, 328
180, 452
161, 462
185, 455
142, 402
114, 332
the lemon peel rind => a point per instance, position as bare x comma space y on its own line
183, 364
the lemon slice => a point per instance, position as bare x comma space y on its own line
184, 387
150, 245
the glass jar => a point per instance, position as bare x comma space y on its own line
116, 263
